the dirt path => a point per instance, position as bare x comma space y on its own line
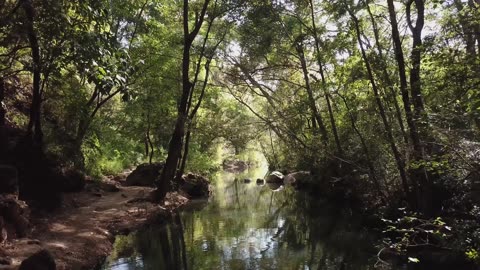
80, 235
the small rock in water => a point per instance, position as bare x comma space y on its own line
195, 186
247, 180
260, 181
274, 177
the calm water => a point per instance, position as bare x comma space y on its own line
249, 226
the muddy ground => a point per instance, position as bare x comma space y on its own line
81, 233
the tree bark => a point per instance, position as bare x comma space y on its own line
176, 142
468, 33
425, 185
386, 76
403, 77
418, 176
185, 153
34, 129
3, 131
391, 140
415, 82
324, 83
311, 98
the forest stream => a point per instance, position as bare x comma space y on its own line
117, 116
248, 225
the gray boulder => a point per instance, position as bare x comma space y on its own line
195, 186
144, 175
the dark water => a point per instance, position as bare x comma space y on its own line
247, 226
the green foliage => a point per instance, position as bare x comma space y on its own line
472, 254
289, 75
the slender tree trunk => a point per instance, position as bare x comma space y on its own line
152, 149
414, 136
324, 82
415, 82
3, 131
192, 117
34, 129
425, 196
468, 33
148, 142
475, 5
147, 147
402, 75
371, 168
391, 140
311, 98
386, 76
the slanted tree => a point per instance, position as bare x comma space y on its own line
176, 141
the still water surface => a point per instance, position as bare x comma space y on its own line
250, 226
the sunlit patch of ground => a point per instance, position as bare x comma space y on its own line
80, 236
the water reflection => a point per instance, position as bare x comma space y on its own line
247, 226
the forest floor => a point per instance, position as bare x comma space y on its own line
80, 234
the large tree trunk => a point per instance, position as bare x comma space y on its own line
418, 176
34, 130
176, 142
194, 111
425, 184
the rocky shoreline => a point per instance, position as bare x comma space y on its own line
81, 233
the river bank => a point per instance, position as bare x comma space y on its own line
80, 234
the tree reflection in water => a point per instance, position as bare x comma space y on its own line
245, 226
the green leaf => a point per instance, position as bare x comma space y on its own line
102, 71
